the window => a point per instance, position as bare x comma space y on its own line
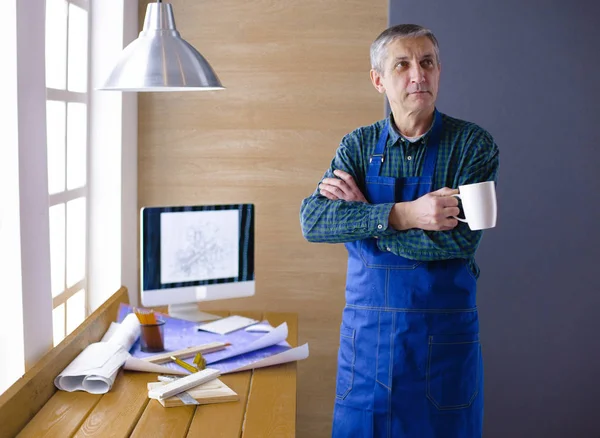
67, 142
64, 206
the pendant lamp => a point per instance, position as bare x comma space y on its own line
160, 60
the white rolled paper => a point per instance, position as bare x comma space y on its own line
94, 370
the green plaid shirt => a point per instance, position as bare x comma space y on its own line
467, 154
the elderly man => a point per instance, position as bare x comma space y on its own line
409, 361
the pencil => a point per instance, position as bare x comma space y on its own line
185, 365
145, 316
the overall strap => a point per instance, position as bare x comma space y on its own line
376, 160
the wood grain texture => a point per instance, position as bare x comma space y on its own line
173, 422
297, 80
20, 403
223, 420
61, 416
271, 410
268, 394
226, 420
161, 422
120, 409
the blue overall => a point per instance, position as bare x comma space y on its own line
409, 362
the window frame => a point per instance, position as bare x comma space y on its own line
112, 120
67, 96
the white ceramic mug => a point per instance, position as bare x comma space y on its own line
479, 205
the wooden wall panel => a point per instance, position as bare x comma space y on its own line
297, 80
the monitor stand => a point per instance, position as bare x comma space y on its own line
190, 312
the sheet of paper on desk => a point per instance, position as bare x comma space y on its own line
227, 325
246, 347
291, 355
180, 334
266, 357
241, 343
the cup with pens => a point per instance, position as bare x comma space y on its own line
152, 331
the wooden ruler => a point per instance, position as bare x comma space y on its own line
187, 352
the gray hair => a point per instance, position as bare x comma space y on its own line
379, 46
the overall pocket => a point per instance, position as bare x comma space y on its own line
373, 257
346, 357
453, 370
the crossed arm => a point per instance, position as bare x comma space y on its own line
423, 229
434, 211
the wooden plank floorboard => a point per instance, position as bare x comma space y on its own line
61, 416
25, 398
164, 422
223, 420
271, 410
266, 408
119, 410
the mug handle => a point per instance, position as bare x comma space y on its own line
457, 218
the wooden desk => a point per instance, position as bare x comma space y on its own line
32, 407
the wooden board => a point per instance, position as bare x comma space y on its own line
126, 410
118, 411
20, 403
271, 409
61, 416
226, 420
223, 420
156, 421
168, 421
214, 391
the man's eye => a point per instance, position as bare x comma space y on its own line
427, 63
402, 64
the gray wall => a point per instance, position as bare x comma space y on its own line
529, 72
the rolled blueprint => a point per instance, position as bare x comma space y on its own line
94, 370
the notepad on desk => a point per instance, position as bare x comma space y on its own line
227, 325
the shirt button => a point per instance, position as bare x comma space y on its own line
409, 158
379, 227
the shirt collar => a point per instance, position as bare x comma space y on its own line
394, 135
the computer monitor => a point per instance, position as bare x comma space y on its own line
196, 253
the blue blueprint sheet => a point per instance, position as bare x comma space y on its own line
180, 334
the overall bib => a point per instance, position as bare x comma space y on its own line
409, 362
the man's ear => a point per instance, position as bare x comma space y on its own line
376, 80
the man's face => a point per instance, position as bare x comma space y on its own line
411, 76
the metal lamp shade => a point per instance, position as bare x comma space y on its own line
160, 60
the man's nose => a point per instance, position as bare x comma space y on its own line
417, 74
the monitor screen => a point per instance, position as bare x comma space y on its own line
196, 253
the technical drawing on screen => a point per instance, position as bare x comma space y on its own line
196, 253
